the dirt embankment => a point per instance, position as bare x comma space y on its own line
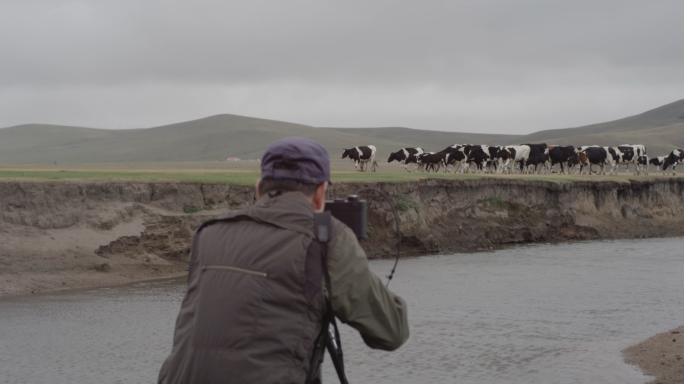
70, 234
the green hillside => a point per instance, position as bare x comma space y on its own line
660, 129
222, 136
428, 140
628, 130
212, 138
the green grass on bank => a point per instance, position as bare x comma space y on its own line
250, 177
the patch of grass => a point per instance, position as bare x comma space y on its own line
190, 209
405, 203
493, 202
208, 207
371, 231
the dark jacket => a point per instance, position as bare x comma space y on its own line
254, 302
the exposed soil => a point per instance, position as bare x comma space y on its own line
661, 356
56, 235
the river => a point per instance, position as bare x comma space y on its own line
545, 313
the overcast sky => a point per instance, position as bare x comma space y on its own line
499, 66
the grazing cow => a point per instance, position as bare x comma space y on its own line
657, 162
676, 157
431, 161
536, 160
361, 156
642, 165
560, 155
598, 156
578, 161
403, 154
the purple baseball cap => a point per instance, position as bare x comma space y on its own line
297, 158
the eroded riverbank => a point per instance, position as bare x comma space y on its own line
56, 235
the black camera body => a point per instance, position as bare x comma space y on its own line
351, 211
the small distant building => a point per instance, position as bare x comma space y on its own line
233, 159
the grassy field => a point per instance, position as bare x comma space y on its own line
247, 173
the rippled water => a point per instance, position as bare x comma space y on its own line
554, 313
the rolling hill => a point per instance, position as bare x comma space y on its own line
212, 138
221, 136
660, 129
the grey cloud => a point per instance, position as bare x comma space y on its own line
505, 52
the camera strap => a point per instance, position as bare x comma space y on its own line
322, 231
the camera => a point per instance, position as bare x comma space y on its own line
351, 212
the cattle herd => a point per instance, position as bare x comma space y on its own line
523, 158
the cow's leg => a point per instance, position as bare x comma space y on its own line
627, 168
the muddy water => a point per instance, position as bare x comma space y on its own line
529, 314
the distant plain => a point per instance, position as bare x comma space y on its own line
247, 172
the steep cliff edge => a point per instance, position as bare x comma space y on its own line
69, 234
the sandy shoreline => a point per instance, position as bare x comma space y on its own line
661, 356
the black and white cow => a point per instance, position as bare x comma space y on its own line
537, 163
492, 163
676, 157
657, 162
403, 154
627, 155
639, 149
361, 156
478, 155
613, 158
520, 154
560, 155
534, 150
431, 160
451, 150
413, 159
642, 165
457, 158
505, 156
584, 148
598, 156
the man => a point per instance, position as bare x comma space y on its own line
255, 302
